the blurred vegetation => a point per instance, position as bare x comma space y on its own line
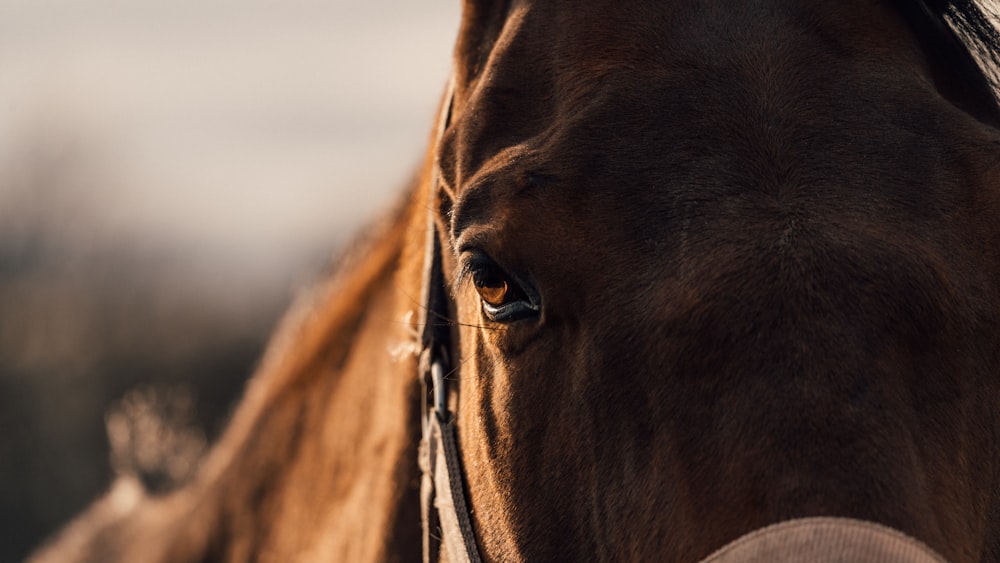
99, 329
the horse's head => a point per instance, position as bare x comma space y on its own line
718, 265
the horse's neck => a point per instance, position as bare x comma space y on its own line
319, 461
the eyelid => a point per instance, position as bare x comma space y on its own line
466, 268
471, 258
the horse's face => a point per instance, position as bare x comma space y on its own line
751, 264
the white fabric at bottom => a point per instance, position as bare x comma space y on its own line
825, 540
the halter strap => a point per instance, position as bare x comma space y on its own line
443, 509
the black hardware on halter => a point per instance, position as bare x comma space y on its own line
443, 508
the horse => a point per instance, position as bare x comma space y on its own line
677, 281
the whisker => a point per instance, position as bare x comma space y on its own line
456, 369
445, 320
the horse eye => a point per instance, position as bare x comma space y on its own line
491, 285
504, 299
492, 290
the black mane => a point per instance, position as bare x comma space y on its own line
963, 45
972, 23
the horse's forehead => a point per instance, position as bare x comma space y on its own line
584, 40
563, 75
693, 95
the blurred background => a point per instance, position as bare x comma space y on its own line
172, 172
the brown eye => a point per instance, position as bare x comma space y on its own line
493, 290
504, 297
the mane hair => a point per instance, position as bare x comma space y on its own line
973, 23
961, 39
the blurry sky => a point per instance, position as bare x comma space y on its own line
245, 126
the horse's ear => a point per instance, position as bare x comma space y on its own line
482, 21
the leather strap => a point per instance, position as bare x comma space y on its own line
442, 485
443, 508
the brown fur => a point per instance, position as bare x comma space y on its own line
766, 237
